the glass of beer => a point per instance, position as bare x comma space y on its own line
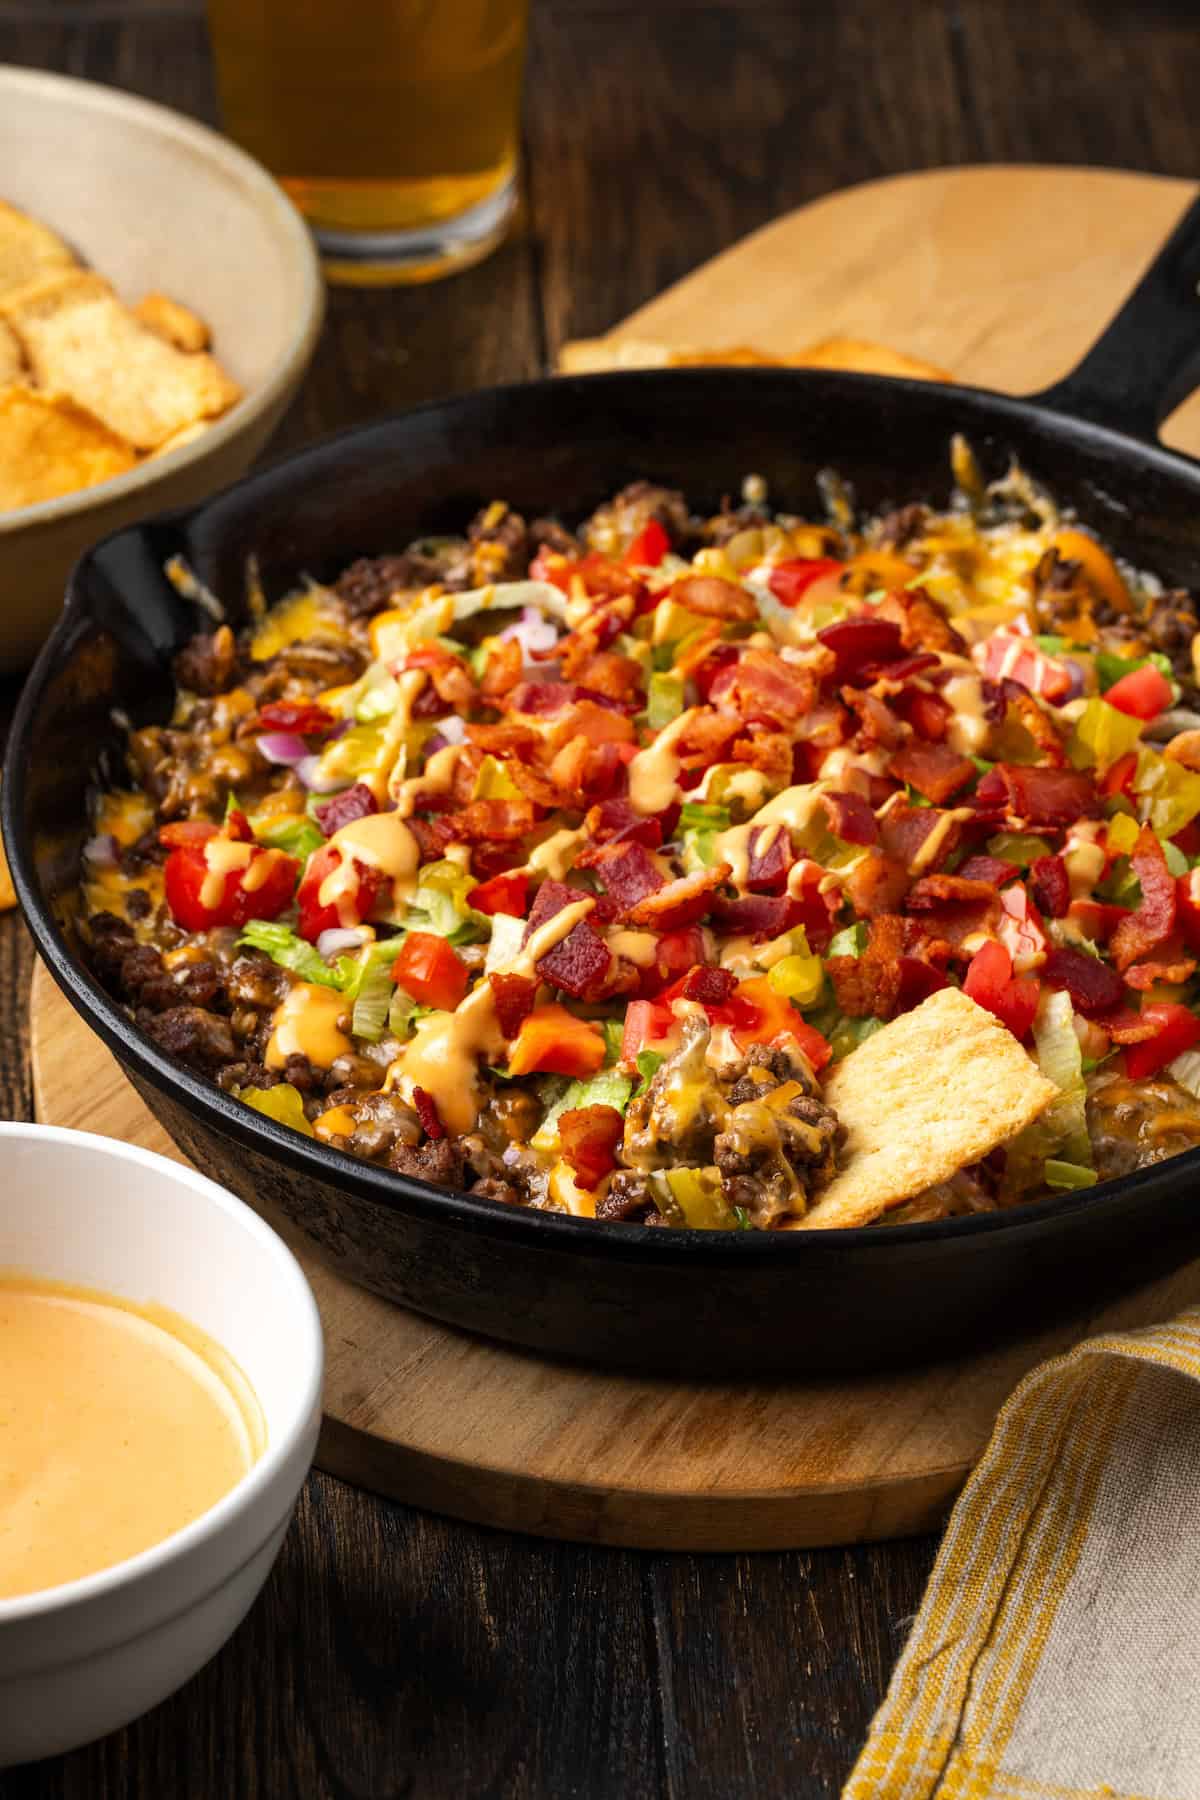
393, 124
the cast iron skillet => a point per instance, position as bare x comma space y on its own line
694, 1301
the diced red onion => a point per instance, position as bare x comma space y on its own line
533, 631
283, 747
452, 730
101, 852
336, 941
309, 772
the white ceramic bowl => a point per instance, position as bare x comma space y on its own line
79, 1660
152, 200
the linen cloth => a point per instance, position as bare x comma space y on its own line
1056, 1655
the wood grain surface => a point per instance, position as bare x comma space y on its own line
398, 1654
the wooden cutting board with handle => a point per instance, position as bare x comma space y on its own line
1002, 276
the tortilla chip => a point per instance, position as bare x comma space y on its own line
80, 340
12, 359
29, 250
174, 323
51, 446
923, 1097
185, 435
590, 355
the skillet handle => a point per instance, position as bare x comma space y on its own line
1148, 359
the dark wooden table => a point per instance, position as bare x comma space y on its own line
395, 1654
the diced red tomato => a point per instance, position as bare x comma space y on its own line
1119, 779
1187, 907
350, 909
187, 873
181, 834
790, 581
555, 1041
677, 952
648, 548
990, 982
302, 717
760, 1015
1178, 1030
431, 971
1020, 929
507, 893
649, 1025
1142, 694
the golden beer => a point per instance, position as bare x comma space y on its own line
393, 124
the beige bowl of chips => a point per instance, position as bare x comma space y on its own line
154, 204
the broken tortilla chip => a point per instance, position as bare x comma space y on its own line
50, 446
933, 1091
174, 323
592, 355
29, 250
79, 339
12, 359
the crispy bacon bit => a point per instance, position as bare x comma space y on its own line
1172, 965
504, 665
928, 714
932, 891
626, 872
903, 830
450, 677
992, 869
1039, 796
357, 802
1154, 920
861, 641
1129, 1027
760, 685
764, 916
714, 598
588, 1137
711, 987
485, 821
934, 770
1050, 886
427, 1112
770, 859
923, 623
876, 885
850, 818
868, 986
770, 752
578, 964
1094, 987
614, 821
680, 902
537, 698
513, 996
941, 933
606, 675
877, 723
505, 740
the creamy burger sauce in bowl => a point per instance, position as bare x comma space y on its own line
170, 1334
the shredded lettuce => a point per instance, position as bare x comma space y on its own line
1186, 1071
440, 904
850, 941
1059, 1174
1060, 1134
508, 934
648, 1063
373, 989
282, 945
291, 832
614, 1033
1110, 667
404, 1014
281, 1103
700, 824
664, 700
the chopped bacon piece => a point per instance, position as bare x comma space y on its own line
505, 740
357, 802
490, 821
1094, 987
868, 986
876, 885
580, 962
588, 1137
877, 723
614, 821
677, 952
450, 677
503, 672
992, 869
760, 685
770, 859
765, 916
1170, 966
1154, 920
427, 1112
859, 641
934, 770
717, 656
1050, 885
1039, 796
711, 987
536, 698
918, 979
850, 818
513, 996
928, 714
680, 902
932, 891
953, 926
923, 623
433, 835
770, 752
714, 598
904, 829
626, 871
1127, 1027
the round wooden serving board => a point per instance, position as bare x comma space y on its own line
1003, 276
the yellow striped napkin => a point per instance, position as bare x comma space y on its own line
1056, 1655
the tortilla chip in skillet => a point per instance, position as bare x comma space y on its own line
12, 358
592, 355
173, 322
935, 1090
50, 446
29, 250
81, 340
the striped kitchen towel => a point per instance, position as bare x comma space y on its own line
1056, 1655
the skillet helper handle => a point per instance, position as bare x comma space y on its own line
1148, 359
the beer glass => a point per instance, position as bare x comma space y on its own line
393, 124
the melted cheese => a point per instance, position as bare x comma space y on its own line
934, 844
443, 1056
222, 857
967, 732
654, 772
381, 841
794, 809
555, 855
640, 947
436, 778
307, 1023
